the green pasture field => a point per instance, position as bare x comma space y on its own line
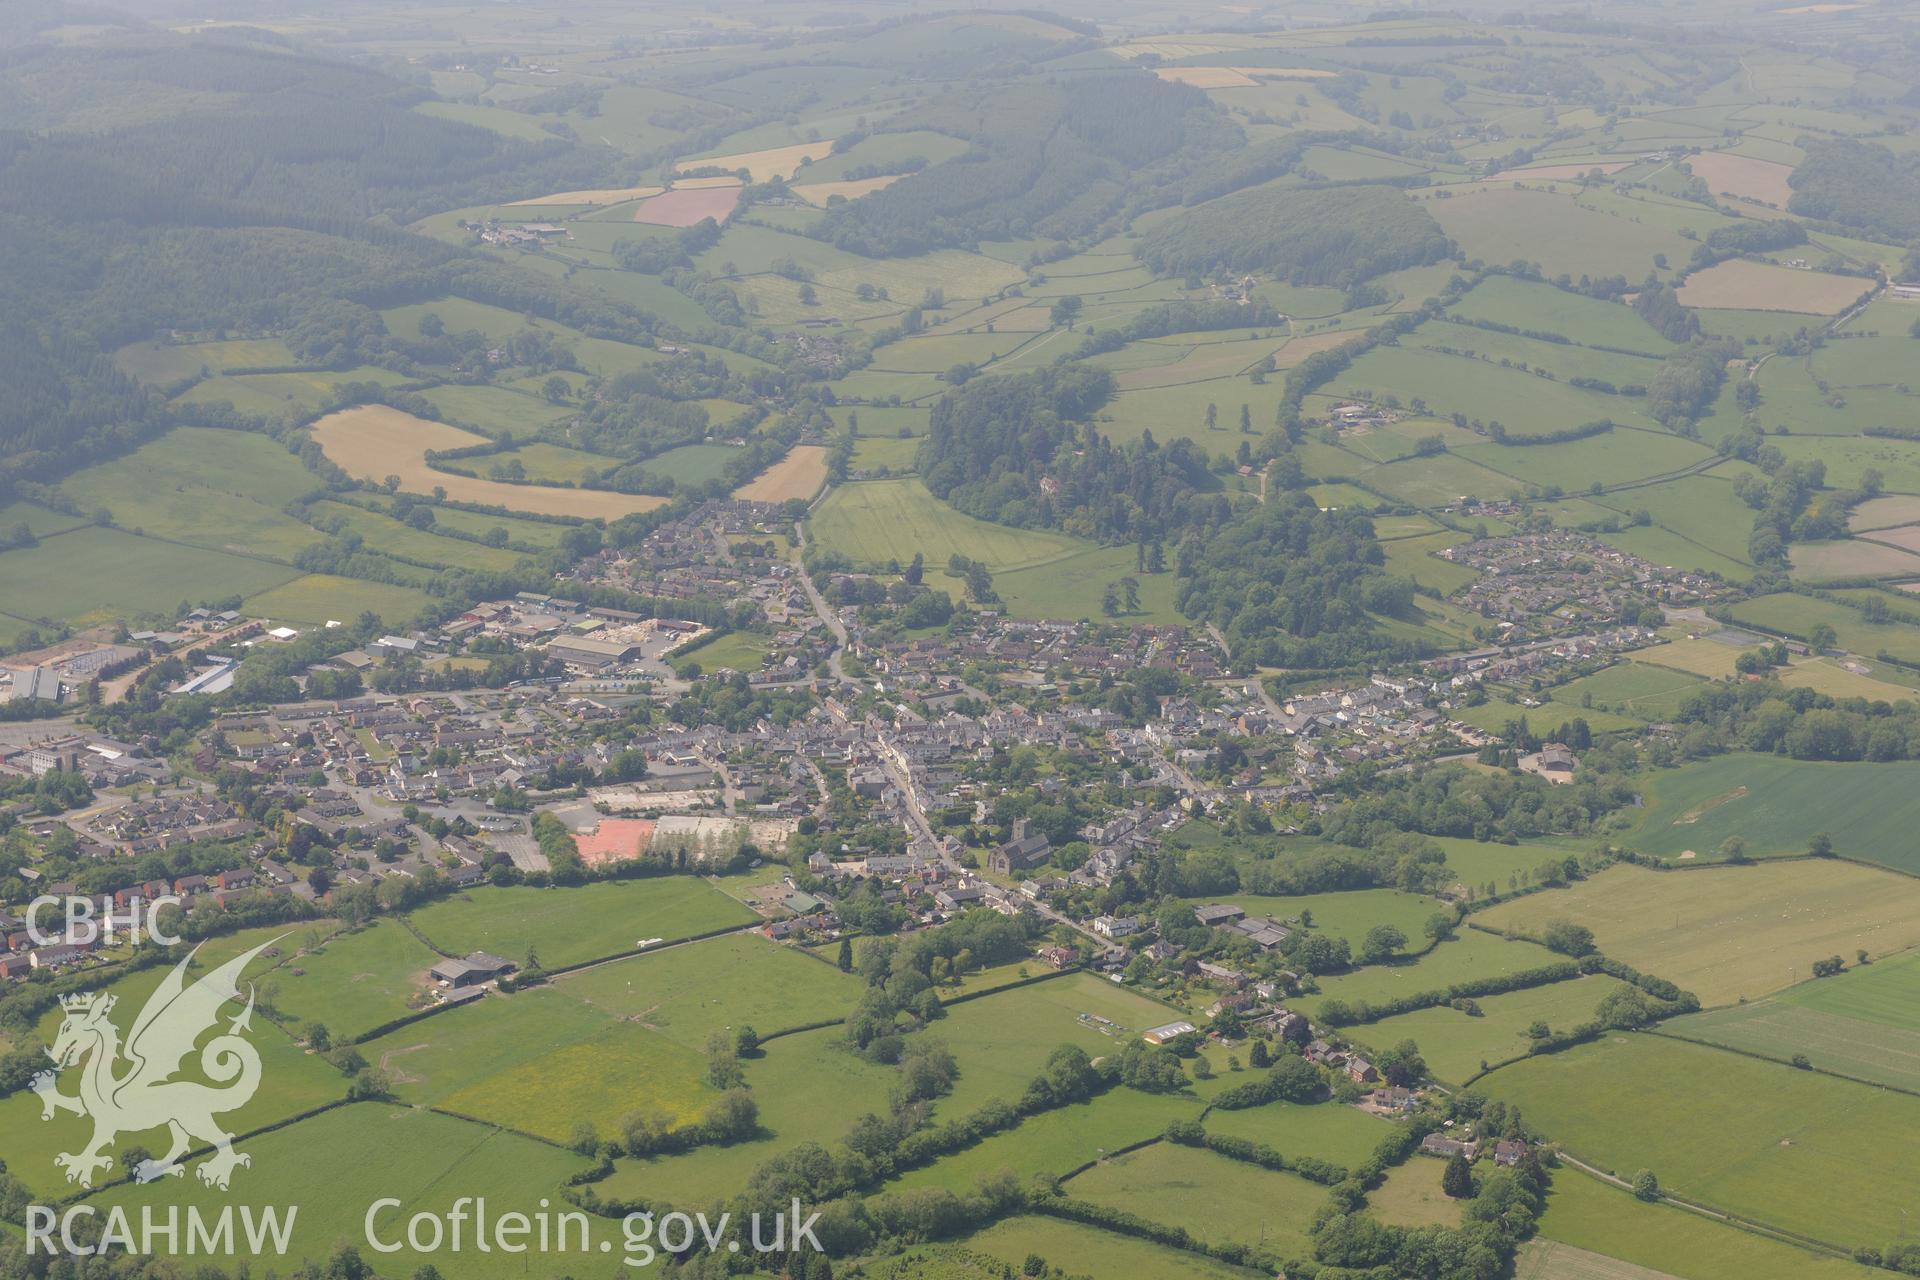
166, 363
1476, 862
1400, 441
210, 488
511, 124
1348, 914
686, 993
1777, 805
1726, 933
1525, 403
292, 1081
542, 463
1493, 714
1797, 615
1074, 586
1506, 224
741, 650
317, 598
40, 521
1753, 326
1628, 688
1345, 1135
1698, 509
809, 1089
1861, 1023
1455, 1044
1002, 1040
1415, 559
1179, 412
1781, 1146
922, 354
1217, 1199
1563, 360
1338, 497
541, 1062
1867, 362
1411, 1196
1541, 307
880, 420
882, 149
1851, 558
1428, 482
1057, 1141
1472, 955
1616, 457
568, 926
355, 981
493, 410
1587, 1214
692, 464
1097, 1252
422, 546
426, 1161
532, 533
893, 453
878, 521
280, 395
96, 575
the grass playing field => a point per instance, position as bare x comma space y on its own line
1788, 1148
1726, 933
318, 598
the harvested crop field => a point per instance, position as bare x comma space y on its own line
686, 207
798, 475
818, 193
1208, 77
1760, 286
599, 195
375, 441
774, 162
1762, 180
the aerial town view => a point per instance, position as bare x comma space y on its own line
948, 640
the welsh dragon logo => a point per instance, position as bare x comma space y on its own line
131, 1088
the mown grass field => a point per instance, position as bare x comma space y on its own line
1777, 805
1726, 933
1608, 1223
567, 926
1864, 1023
1411, 1196
1628, 688
317, 598
1002, 1041
686, 993
1790, 1148
1217, 1199
1344, 1135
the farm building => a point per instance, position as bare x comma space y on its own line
1167, 1031
476, 969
